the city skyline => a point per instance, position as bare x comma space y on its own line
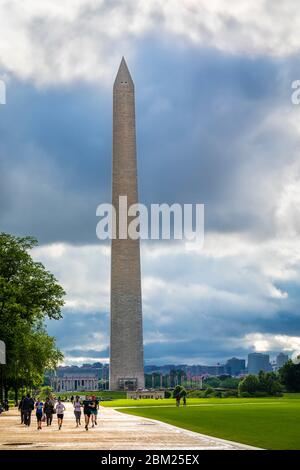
272, 357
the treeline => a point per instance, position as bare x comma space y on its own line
29, 294
287, 379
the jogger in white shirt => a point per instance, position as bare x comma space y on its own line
77, 410
60, 408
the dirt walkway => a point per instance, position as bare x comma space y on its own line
115, 430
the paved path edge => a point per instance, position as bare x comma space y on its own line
239, 445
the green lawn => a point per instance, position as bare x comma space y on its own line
170, 402
104, 394
269, 423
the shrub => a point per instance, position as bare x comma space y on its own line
259, 394
179, 391
196, 394
230, 394
244, 394
249, 384
208, 392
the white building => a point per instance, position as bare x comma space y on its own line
75, 383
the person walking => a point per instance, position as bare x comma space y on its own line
60, 408
27, 408
184, 400
94, 411
77, 411
39, 406
178, 400
97, 402
48, 410
20, 408
87, 411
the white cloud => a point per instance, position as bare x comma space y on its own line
84, 359
267, 342
186, 295
243, 278
55, 41
83, 271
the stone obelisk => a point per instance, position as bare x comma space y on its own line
126, 331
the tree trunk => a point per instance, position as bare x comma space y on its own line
16, 395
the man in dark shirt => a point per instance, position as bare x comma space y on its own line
20, 408
87, 408
27, 407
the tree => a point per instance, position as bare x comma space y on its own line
211, 382
179, 391
269, 383
28, 295
290, 376
250, 384
230, 382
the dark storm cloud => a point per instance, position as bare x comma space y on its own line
195, 110
206, 133
55, 165
96, 353
76, 330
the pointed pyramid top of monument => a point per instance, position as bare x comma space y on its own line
123, 77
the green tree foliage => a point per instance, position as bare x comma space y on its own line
28, 295
266, 384
250, 384
269, 382
179, 391
290, 376
211, 382
208, 392
230, 382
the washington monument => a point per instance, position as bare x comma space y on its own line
126, 330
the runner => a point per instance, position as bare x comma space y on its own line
49, 410
20, 408
77, 411
94, 410
60, 408
97, 409
39, 405
27, 407
87, 411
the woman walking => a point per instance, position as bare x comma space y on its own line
39, 405
48, 410
60, 408
77, 411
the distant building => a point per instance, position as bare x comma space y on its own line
281, 359
235, 366
74, 378
75, 383
258, 362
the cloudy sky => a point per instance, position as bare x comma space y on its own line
215, 125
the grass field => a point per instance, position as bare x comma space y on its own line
269, 423
104, 394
